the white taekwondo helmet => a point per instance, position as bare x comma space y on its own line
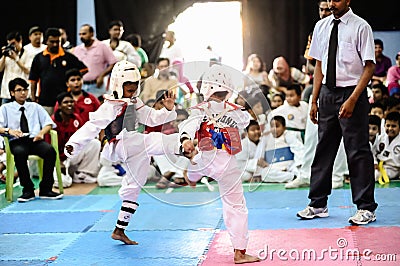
122, 72
214, 80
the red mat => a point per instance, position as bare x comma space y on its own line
344, 246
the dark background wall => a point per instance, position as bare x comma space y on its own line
270, 27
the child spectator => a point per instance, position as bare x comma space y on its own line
84, 167
273, 158
374, 128
378, 109
386, 150
380, 93
284, 152
84, 102
294, 110
255, 107
277, 100
250, 158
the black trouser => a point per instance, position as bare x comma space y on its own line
355, 136
23, 147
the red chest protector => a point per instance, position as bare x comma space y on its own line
212, 135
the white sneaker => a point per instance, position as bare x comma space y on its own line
296, 183
362, 217
311, 213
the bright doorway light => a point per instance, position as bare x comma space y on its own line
218, 25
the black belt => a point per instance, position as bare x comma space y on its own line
87, 82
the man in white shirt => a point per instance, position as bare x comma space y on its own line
36, 44
344, 66
122, 50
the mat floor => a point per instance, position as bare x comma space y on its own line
185, 227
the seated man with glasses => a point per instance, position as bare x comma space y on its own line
25, 124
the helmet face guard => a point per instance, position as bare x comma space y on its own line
122, 72
216, 80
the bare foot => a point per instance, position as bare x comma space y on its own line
119, 234
241, 258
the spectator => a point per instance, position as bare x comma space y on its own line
14, 63
387, 159
84, 102
293, 110
277, 100
98, 57
374, 129
136, 42
122, 50
282, 76
171, 50
255, 73
65, 44
324, 11
383, 63
393, 75
84, 167
26, 123
48, 70
380, 93
35, 45
161, 80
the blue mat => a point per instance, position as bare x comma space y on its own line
67, 204
33, 246
96, 246
165, 217
51, 222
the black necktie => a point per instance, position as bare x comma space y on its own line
331, 67
23, 121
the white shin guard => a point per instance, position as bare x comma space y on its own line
127, 209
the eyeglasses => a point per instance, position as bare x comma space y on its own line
324, 9
19, 90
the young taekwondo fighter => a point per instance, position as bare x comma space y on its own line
118, 115
216, 123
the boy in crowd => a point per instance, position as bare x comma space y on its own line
386, 150
294, 110
272, 158
374, 128
84, 167
84, 102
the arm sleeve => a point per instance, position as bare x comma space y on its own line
152, 117
192, 124
99, 120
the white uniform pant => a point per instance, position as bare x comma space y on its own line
135, 150
223, 168
310, 145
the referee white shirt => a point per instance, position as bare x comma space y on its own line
353, 49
